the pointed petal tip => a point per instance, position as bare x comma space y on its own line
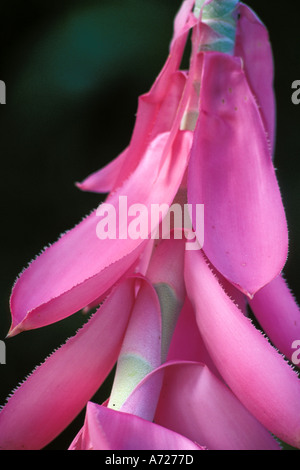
79, 185
14, 331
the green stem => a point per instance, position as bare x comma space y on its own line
221, 17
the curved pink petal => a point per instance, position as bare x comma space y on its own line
245, 232
253, 46
58, 390
259, 376
106, 429
277, 312
80, 267
69, 275
197, 405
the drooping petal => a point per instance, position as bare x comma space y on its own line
245, 228
64, 278
277, 312
59, 389
253, 46
251, 367
106, 429
80, 267
194, 403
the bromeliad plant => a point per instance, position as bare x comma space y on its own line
193, 372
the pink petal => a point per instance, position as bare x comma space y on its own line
197, 405
277, 312
106, 429
67, 277
245, 232
59, 389
251, 367
80, 267
253, 46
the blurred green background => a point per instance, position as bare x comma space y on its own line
73, 72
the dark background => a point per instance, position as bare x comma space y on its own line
73, 72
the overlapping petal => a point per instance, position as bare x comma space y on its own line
251, 367
106, 429
208, 412
278, 313
196, 404
58, 390
80, 267
245, 233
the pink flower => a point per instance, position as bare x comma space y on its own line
202, 136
